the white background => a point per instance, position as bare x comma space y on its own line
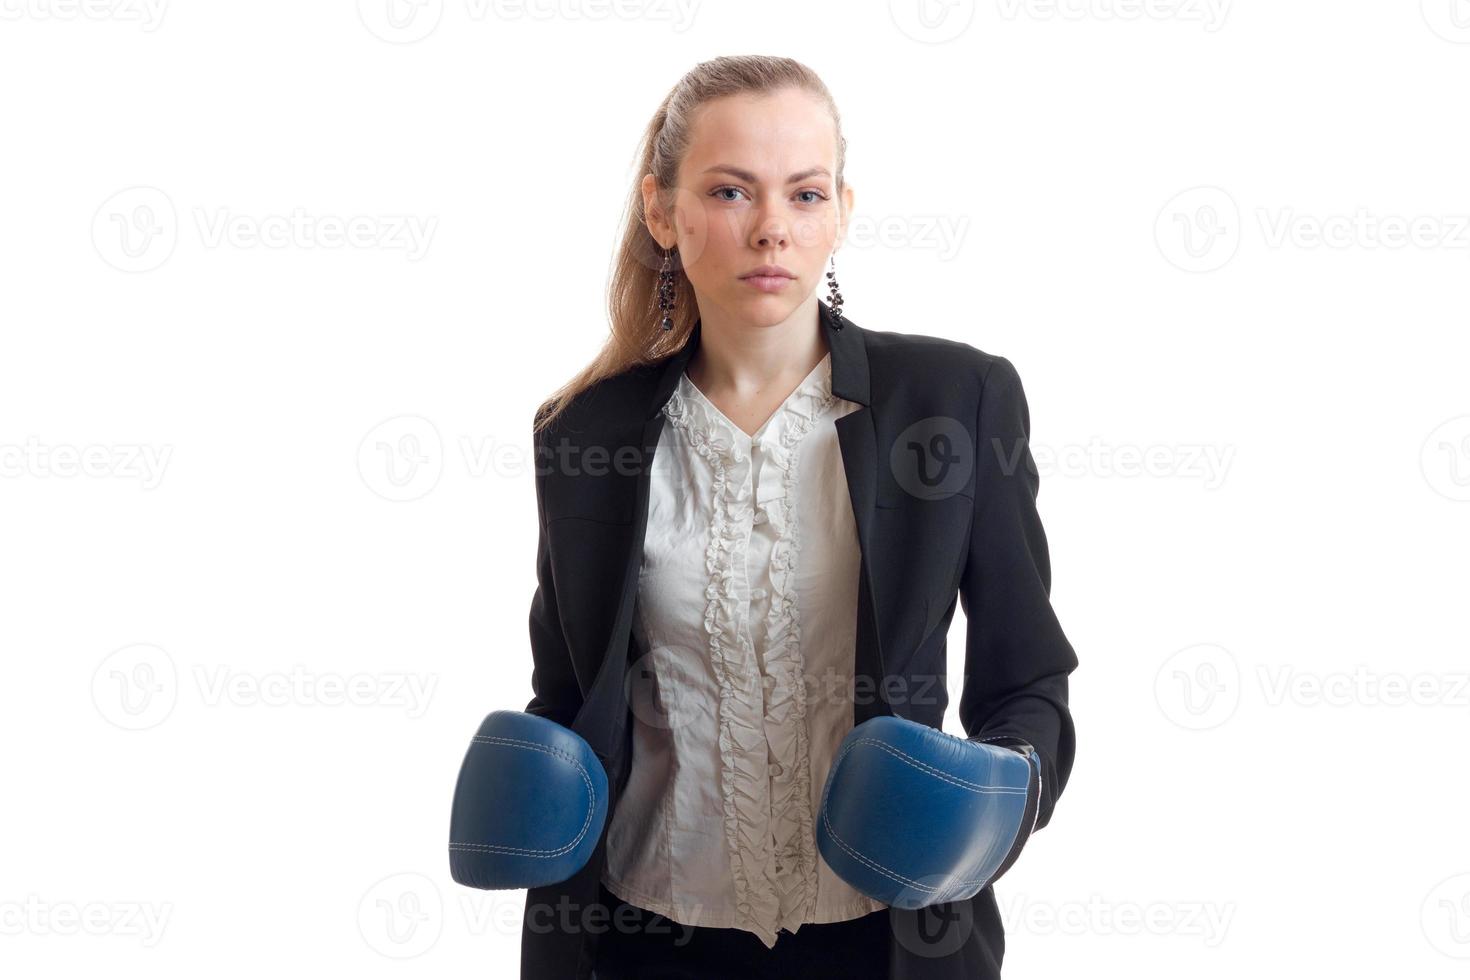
1225, 244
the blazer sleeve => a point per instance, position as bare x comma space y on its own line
553, 679
1016, 656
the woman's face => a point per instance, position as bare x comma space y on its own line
756, 188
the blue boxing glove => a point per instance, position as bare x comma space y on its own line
912, 816
529, 804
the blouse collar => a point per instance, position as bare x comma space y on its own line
691, 407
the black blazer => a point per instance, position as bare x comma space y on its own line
943, 489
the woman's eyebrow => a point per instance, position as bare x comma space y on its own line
751, 178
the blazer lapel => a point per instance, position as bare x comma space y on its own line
858, 439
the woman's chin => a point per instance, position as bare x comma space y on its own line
765, 309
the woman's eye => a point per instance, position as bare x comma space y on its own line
718, 191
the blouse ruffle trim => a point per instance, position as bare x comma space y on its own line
714, 439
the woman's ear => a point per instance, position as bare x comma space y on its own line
653, 216
844, 216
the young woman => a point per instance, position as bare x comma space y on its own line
756, 520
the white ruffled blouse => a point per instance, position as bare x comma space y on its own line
747, 608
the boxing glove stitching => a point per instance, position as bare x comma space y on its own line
543, 853
963, 784
879, 868
955, 780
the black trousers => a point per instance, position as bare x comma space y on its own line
648, 946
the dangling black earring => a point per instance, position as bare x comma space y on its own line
666, 290
834, 298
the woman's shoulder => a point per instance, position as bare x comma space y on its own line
603, 402
931, 358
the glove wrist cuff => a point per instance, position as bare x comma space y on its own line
1033, 795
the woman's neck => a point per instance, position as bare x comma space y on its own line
747, 370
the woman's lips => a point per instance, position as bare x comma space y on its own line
769, 284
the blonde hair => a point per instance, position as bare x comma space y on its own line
635, 335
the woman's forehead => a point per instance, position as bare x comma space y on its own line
769, 138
